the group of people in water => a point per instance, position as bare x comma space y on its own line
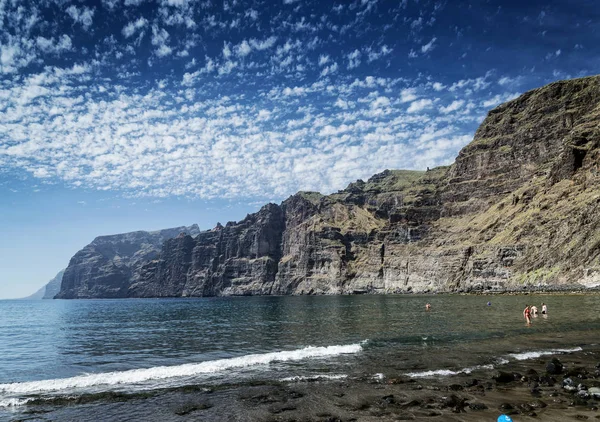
532, 310
528, 312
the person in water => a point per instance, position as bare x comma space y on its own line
544, 309
534, 310
527, 314
428, 307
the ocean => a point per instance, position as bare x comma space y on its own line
168, 359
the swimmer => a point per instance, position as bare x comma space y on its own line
534, 310
544, 309
527, 314
428, 307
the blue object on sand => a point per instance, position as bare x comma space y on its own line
504, 418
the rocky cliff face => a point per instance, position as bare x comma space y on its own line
51, 288
106, 267
519, 207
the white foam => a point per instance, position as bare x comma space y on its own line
499, 361
436, 373
13, 402
136, 376
314, 378
447, 372
538, 353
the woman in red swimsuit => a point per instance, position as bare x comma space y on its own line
527, 314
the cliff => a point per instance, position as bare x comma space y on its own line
106, 267
519, 207
50, 289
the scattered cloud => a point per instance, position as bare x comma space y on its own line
426, 48
213, 99
419, 105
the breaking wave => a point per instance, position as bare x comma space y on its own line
137, 376
537, 354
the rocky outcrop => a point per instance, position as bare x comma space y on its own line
106, 267
519, 208
51, 288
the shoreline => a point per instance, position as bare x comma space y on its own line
518, 292
553, 387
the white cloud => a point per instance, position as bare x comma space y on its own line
132, 27
498, 99
419, 105
408, 94
454, 106
263, 44
353, 59
328, 70
261, 116
49, 45
83, 16
163, 50
242, 49
375, 55
226, 50
429, 46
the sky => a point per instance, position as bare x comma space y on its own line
123, 115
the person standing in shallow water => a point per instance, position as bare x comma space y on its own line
544, 309
428, 307
527, 314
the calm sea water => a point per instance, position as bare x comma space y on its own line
68, 348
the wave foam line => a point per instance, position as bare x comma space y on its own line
300, 378
447, 372
500, 361
135, 376
13, 402
537, 354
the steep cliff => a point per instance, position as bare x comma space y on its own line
50, 289
107, 266
519, 207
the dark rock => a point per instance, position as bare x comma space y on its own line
547, 380
578, 401
524, 407
532, 375
412, 403
577, 372
477, 406
451, 401
503, 377
537, 404
471, 383
280, 408
554, 367
188, 408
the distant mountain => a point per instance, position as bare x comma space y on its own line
50, 290
518, 208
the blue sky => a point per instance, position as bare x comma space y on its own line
121, 115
